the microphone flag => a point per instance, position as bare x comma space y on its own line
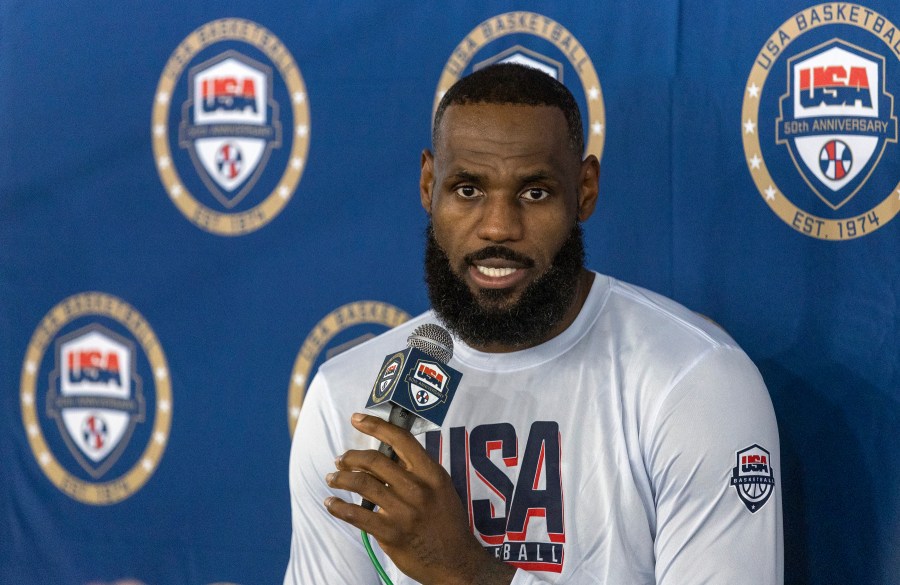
414, 380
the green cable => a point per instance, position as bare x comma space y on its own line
378, 567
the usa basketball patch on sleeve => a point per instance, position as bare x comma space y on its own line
752, 477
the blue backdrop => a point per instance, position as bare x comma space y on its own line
201, 202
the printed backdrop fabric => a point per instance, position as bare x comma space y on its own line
202, 202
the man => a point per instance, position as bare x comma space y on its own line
601, 433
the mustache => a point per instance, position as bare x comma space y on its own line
499, 252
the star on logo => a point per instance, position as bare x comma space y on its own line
299, 97
295, 412
754, 162
160, 438
594, 93
770, 193
597, 128
176, 191
147, 464
163, 97
296, 163
302, 130
164, 162
299, 380
161, 373
749, 127
753, 90
284, 192
159, 129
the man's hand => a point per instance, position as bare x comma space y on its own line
420, 522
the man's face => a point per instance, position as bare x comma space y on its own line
505, 190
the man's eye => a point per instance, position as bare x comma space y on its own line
467, 192
535, 194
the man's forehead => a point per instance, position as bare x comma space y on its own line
463, 124
484, 112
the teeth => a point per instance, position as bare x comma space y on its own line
495, 272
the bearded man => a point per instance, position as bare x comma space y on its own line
602, 433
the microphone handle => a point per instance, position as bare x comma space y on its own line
399, 417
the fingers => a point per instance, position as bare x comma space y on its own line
397, 487
369, 474
407, 448
355, 515
392, 505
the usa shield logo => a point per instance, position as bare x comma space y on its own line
753, 477
230, 124
388, 377
95, 396
427, 384
836, 118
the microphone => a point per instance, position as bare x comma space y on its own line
415, 386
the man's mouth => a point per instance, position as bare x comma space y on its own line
494, 272
498, 267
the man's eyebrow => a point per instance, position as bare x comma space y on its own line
538, 177
463, 175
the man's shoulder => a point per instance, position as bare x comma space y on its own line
659, 318
659, 344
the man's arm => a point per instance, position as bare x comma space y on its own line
322, 549
420, 522
715, 425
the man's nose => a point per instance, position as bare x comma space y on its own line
501, 219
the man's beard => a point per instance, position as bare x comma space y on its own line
490, 316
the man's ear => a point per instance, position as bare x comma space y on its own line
426, 180
589, 189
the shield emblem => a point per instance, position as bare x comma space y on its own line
753, 477
230, 124
427, 384
95, 396
836, 118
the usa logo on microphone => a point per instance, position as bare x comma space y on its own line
413, 379
428, 384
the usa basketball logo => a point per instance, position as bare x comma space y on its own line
388, 377
535, 40
753, 477
97, 408
344, 328
243, 112
427, 384
819, 123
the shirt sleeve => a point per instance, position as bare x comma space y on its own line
715, 435
323, 549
